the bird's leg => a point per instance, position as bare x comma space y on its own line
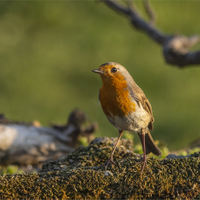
144, 150
110, 160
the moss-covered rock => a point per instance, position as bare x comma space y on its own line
80, 175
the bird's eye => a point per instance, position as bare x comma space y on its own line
114, 69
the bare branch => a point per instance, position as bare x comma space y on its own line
175, 47
117, 7
137, 21
176, 51
149, 11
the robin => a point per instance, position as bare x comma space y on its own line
126, 107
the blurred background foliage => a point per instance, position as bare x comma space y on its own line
48, 49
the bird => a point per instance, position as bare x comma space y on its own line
126, 107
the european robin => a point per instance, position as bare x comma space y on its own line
126, 107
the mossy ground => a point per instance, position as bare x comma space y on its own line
80, 176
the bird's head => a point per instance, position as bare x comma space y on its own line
111, 72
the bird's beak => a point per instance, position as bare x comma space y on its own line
98, 71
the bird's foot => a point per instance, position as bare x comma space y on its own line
109, 161
144, 165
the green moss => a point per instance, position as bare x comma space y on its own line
10, 169
80, 175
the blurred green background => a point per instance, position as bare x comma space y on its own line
48, 49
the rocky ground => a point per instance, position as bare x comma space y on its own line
81, 175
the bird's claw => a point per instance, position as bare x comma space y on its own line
109, 161
144, 165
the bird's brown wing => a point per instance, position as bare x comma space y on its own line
147, 106
141, 99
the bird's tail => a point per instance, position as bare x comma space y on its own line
150, 144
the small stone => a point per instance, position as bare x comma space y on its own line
108, 173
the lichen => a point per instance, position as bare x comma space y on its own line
82, 175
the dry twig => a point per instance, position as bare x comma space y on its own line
175, 47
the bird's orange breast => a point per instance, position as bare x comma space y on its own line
115, 98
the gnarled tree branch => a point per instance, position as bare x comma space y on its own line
175, 47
